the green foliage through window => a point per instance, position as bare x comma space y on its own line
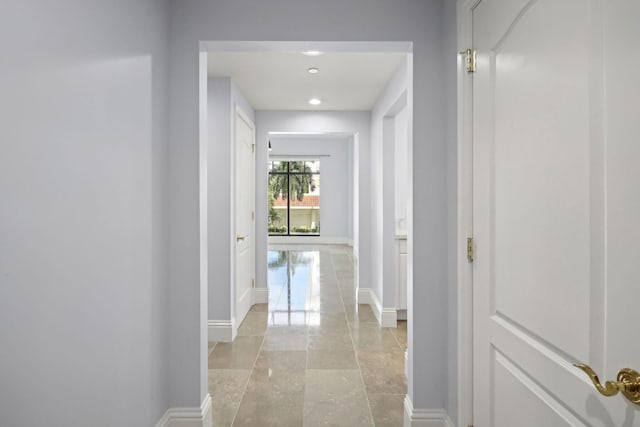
289, 183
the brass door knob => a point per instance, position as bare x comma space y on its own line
240, 238
628, 383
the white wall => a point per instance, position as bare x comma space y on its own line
304, 121
392, 20
336, 203
223, 97
83, 223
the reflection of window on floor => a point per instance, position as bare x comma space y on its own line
294, 293
294, 197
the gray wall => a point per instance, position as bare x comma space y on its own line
223, 97
419, 21
83, 224
219, 191
84, 174
336, 203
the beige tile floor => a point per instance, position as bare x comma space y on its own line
312, 356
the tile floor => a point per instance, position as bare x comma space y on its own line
312, 356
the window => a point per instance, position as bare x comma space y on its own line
294, 198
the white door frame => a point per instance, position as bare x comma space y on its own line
465, 214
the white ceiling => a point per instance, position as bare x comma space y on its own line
280, 81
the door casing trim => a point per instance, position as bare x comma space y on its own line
465, 213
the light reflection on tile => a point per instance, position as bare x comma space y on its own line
312, 353
285, 343
279, 317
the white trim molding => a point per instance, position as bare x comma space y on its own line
188, 417
261, 295
425, 417
465, 215
222, 330
406, 364
387, 317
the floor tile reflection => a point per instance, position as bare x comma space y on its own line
312, 356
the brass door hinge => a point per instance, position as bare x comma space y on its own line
253, 215
470, 60
471, 253
253, 148
253, 283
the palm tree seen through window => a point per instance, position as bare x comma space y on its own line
294, 197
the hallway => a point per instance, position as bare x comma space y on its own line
312, 356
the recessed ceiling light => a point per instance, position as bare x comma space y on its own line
313, 70
312, 52
315, 101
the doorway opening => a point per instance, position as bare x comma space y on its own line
363, 216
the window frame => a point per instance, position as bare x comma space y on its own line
288, 174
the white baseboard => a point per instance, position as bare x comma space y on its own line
309, 240
222, 330
261, 295
188, 417
425, 417
387, 317
226, 330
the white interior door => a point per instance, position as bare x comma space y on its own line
244, 214
556, 205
